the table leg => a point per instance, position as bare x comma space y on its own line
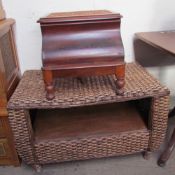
172, 113
166, 154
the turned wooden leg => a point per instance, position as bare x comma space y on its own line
147, 155
49, 84
120, 79
166, 154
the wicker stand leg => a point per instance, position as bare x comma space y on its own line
147, 155
120, 81
49, 84
23, 134
37, 168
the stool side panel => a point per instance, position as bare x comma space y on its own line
74, 44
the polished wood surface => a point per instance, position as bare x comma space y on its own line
81, 44
87, 121
164, 40
9, 78
79, 15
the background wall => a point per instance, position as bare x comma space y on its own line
138, 15
2, 12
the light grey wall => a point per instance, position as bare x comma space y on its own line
138, 15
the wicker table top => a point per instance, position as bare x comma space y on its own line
70, 92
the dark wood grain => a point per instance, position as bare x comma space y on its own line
81, 44
87, 121
168, 151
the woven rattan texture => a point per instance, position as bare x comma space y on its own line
158, 121
114, 145
94, 147
94, 90
23, 134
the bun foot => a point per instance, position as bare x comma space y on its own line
120, 79
120, 86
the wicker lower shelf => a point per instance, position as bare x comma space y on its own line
80, 122
89, 132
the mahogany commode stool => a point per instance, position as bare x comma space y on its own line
77, 44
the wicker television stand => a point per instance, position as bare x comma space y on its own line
88, 120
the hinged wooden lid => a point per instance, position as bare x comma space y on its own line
79, 16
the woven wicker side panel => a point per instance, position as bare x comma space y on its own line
126, 143
159, 119
21, 127
7, 55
